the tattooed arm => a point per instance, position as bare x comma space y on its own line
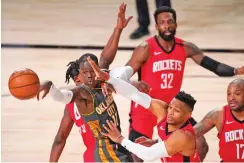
139, 56
220, 69
211, 119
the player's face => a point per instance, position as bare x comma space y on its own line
235, 97
87, 75
177, 112
166, 26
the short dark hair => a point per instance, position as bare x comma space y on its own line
84, 57
164, 9
72, 71
186, 98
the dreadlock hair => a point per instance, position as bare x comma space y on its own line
84, 57
186, 98
164, 9
72, 71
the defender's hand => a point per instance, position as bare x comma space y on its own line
122, 21
141, 86
113, 132
107, 89
45, 87
100, 75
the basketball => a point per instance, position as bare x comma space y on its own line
24, 84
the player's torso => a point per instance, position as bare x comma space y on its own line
104, 108
231, 138
163, 70
85, 132
164, 134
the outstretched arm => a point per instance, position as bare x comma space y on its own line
177, 142
110, 50
216, 67
60, 139
64, 96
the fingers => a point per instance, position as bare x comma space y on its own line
110, 124
38, 96
140, 139
105, 134
44, 94
93, 64
127, 21
106, 128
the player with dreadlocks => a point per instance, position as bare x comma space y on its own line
71, 116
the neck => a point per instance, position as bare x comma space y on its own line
173, 127
239, 114
167, 45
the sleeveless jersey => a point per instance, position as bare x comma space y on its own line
231, 138
104, 108
85, 132
163, 72
164, 134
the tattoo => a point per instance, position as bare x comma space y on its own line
144, 44
206, 124
192, 49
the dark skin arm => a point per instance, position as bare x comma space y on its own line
139, 56
179, 141
212, 119
61, 137
193, 52
110, 50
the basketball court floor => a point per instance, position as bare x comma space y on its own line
29, 127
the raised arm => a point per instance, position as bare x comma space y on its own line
59, 142
216, 67
110, 50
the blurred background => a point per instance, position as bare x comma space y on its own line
29, 127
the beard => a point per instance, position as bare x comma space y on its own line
167, 37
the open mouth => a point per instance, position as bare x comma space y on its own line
233, 104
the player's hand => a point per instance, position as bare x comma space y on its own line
107, 89
100, 75
113, 132
44, 87
239, 71
145, 141
141, 86
122, 21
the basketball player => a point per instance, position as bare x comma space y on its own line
174, 128
161, 61
94, 108
229, 121
71, 116
98, 148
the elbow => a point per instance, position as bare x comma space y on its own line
59, 141
202, 147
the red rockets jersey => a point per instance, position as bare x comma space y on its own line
85, 132
231, 138
163, 72
164, 135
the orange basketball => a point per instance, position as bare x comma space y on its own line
24, 84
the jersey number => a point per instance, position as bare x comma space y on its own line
240, 151
167, 81
76, 112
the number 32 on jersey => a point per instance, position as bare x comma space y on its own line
167, 80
